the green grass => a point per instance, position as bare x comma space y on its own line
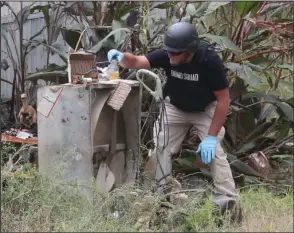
35, 203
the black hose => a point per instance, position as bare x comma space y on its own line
0, 113
131, 75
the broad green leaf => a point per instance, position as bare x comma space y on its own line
191, 9
45, 11
213, 6
286, 66
185, 161
29, 46
266, 110
258, 132
259, 35
244, 72
188, 157
284, 20
231, 127
259, 60
63, 49
238, 86
75, 8
54, 23
283, 130
246, 123
98, 46
189, 160
286, 88
71, 38
241, 167
244, 8
56, 48
22, 15
254, 79
224, 42
287, 110
79, 27
52, 20
164, 5
121, 35
255, 67
267, 98
123, 9
277, 12
200, 11
52, 67
71, 34
269, 79
47, 75
246, 147
270, 7
290, 102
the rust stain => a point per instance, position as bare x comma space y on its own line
7, 138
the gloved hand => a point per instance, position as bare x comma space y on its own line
207, 148
115, 54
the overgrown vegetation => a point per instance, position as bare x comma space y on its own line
255, 41
35, 203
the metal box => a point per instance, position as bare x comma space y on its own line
73, 124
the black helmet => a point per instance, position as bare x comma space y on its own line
180, 37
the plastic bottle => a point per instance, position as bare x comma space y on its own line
113, 70
87, 80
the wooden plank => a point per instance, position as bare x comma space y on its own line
7, 138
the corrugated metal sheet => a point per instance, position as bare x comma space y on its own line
36, 59
16, 6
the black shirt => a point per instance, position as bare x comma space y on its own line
191, 86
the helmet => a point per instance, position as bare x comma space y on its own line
180, 37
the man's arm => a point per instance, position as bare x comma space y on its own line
154, 59
219, 84
131, 61
221, 110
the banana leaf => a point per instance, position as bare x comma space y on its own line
239, 166
244, 7
189, 158
267, 98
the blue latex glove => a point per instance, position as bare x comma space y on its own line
207, 148
115, 54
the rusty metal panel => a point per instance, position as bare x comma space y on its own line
64, 135
78, 121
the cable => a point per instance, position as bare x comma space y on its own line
159, 126
162, 127
93, 99
0, 118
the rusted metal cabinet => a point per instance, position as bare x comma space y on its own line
74, 121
